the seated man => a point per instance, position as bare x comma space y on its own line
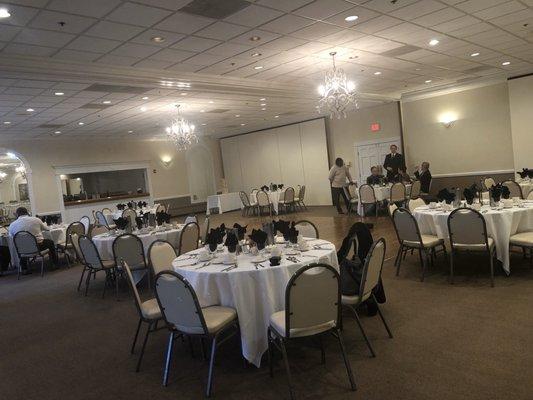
375, 178
35, 226
424, 176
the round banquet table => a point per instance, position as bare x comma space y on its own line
255, 292
501, 224
118, 213
104, 241
273, 196
56, 233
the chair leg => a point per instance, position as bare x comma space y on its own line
322, 350
382, 317
87, 281
143, 347
451, 267
287, 367
346, 360
136, 335
211, 364
270, 360
81, 278
423, 261
398, 261
168, 358
373, 354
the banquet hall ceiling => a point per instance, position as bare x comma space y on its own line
220, 67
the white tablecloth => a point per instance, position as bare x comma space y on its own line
118, 213
224, 202
255, 293
501, 224
273, 196
104, 242
381, 193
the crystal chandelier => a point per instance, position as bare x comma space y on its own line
181, 132
337, 92
21, 170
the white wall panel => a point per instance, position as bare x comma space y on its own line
290, 155
232, 163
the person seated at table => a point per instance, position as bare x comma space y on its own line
424, 176
35, 226
375, 178
403, 177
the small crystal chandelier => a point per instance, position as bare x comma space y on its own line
337, 92
21, 170
181, 132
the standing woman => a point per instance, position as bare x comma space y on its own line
339, 177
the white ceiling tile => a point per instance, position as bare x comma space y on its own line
438, 17
172, 55
43, 38
194, 43
8, 32
471, 29
118, 60
222, 31
204, 59
183, 23
417, 9
92, 8
91, 44
112, 30
287, 24
147, 36
284, 5
73, 55
50, 20
316, 31
387, 6
253, 15
136, 14
264, 37
377, 24
25, 49
363, 14
168, 4
455, 24
229, 49
135, 50
471, 6
153, 64
322, 9
341, 37
499, 10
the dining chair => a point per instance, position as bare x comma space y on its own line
353, 197
189, 237
183, 316
263, 201
129, 247
301, 198
367, 196
312, 309
160, 256
392, 207
98, 230
131, 215
148, 311
287, 203
102, 220
191, 218
370, 278
415, 190
397, 194
246, 205
204, 230
92, 263
86, 221
63, 247
468, 232
27, 249
410, 238
107, 210
306, 229
514, 189
524, 240
415, 203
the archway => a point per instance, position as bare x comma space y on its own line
200, 172
16, 189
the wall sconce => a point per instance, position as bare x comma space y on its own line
447, 119
166, 160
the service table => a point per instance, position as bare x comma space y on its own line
501, 224
251, 286
224, 202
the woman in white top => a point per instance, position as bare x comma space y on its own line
340, 177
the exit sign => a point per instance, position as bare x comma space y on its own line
375, 127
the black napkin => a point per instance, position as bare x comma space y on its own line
470, 193
264, 188
259, 237
524, 173
140, 204
280, 186
213, 238
139, 221
121, 206
241, 230
274, 186
162, 217
446, 195
530, 173
505, 192
231, 242
41, 217
293, 234
121, 223
496, 192
130, 204
282, 227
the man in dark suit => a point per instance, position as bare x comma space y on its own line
394, 162
424, 176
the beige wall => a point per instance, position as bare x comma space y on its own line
521, 102
344, 133
480, 139
44, 155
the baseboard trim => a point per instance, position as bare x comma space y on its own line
474, 173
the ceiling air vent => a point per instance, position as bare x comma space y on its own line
215, 9
117, 89
400, 51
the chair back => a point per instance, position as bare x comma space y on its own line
281, 196
488, 183
312, 297
244, 199
289, 195
89, 252
133, 286
98, 230
366, 194
189, 238
530, 195
406, 226
302, 193
514, 189
75, 238
106, 211
205, 230
75, 227
100, 218
467, 226
86, 221
190, 218
415, 190
392, 207
129, 248
372, 268
254, 191
25, 244
397, 192
352, 190
160, 256
130, 214
178, 303
414, 203
306, 229
262, 198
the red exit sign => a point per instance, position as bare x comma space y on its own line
375, 127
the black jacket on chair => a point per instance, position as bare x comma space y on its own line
425, 180
396, 163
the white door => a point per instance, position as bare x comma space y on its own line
370, 154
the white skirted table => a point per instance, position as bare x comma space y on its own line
224, 202
501, 224
256, 291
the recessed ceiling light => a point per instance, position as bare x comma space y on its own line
506, 63
202, 110
30, 110
255, 38
237, 115
276, 116
258, 67
211, 101
143, 109
145, 98
256, 54
263, 109
243, 124
158, 39
57, 133
130, 131
106, 102
474, 54
7, 122
183, 93
351, 18
417, 69
81, 123
433, 42
428, 81
59, 93
377, 73
263, 104
4, 13
262, 99
204, 124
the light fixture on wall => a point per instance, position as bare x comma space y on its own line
21, 170
337, 93
447, 119
166, 160
181, 132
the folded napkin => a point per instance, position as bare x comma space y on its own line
121, 223
530, 173
213, 238
282, 227
506, 193
280, 186
259, 237
130, 204
121, 206
140, 222
496, 192
241, 230
231, 242
162, 217
274, 186
264, 188
446, 195
470, 193
293, 234
524, 173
